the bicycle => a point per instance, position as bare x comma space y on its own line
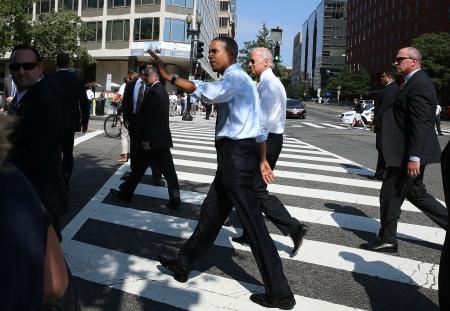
114, 122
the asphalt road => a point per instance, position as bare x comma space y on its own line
111, 246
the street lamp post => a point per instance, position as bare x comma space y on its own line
193, 34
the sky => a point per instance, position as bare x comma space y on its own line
289, 15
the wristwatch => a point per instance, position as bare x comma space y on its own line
174, 77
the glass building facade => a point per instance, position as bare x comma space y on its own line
324, 42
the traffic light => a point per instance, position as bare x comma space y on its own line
199, 52
276, 54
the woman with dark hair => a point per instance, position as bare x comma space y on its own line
32, 262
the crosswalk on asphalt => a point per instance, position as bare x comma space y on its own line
116, 244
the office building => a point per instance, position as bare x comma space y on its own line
323, 44
124, 29
227, 18
296, 59
377, 29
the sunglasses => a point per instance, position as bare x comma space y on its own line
25, 66
398, 60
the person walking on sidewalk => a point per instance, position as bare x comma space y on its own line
237, 127
359, 109
272, 96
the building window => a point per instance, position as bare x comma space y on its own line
68, 5
96, 28
146, 2
223, 21
92, 4
174, 30
118, 3
146, 29
118, 30
44, 6
185, 3
224, 6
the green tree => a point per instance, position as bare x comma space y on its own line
61, 31
352, 83
435, 49
263, 40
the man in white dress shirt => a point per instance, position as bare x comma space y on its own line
272, 97
237, 128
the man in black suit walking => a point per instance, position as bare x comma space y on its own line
155, 141
444, 272
38, 133
409, 143
132, 101
386, 98
75, 109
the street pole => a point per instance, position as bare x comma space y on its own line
194, 35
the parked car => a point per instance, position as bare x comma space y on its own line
445, 113
367, 116
295, 109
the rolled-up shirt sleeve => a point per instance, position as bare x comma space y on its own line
214, 92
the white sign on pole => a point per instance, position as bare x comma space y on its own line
108, 82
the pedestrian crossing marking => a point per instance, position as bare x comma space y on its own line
144, 277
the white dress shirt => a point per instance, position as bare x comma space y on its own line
237, 102
137, 86
272, 97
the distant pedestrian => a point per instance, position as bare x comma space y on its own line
75, 108
409, 143
359, 109
237, 127
385, 99
272, 97
438, 119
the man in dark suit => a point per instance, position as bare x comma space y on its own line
409, 143
385, 98
132, 100
156, 140
75, 108
444, 272
38, 133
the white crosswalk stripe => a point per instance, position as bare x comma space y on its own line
345, 207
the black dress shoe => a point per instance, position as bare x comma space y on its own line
378, 176
159, 183
119, 195
126, 176
284, 303
180, 273
173, 203
243, 239
380, 246
297, 238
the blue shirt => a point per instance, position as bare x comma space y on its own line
137, 86
239, 111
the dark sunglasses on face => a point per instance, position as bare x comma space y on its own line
25, 66
252, 61
398, 60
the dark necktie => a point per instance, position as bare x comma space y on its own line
140, 97
13, 103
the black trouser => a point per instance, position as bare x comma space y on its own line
208, 109
67, 154
381, 164
438, 124
136, 147
270, 205
234, 185
444, 271
162, 159
396, 186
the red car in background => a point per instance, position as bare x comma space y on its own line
445, 113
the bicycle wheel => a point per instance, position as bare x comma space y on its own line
112, 126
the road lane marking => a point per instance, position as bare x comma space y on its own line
87, 136
313, 125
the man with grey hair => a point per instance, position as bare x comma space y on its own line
272, 96
409, 143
